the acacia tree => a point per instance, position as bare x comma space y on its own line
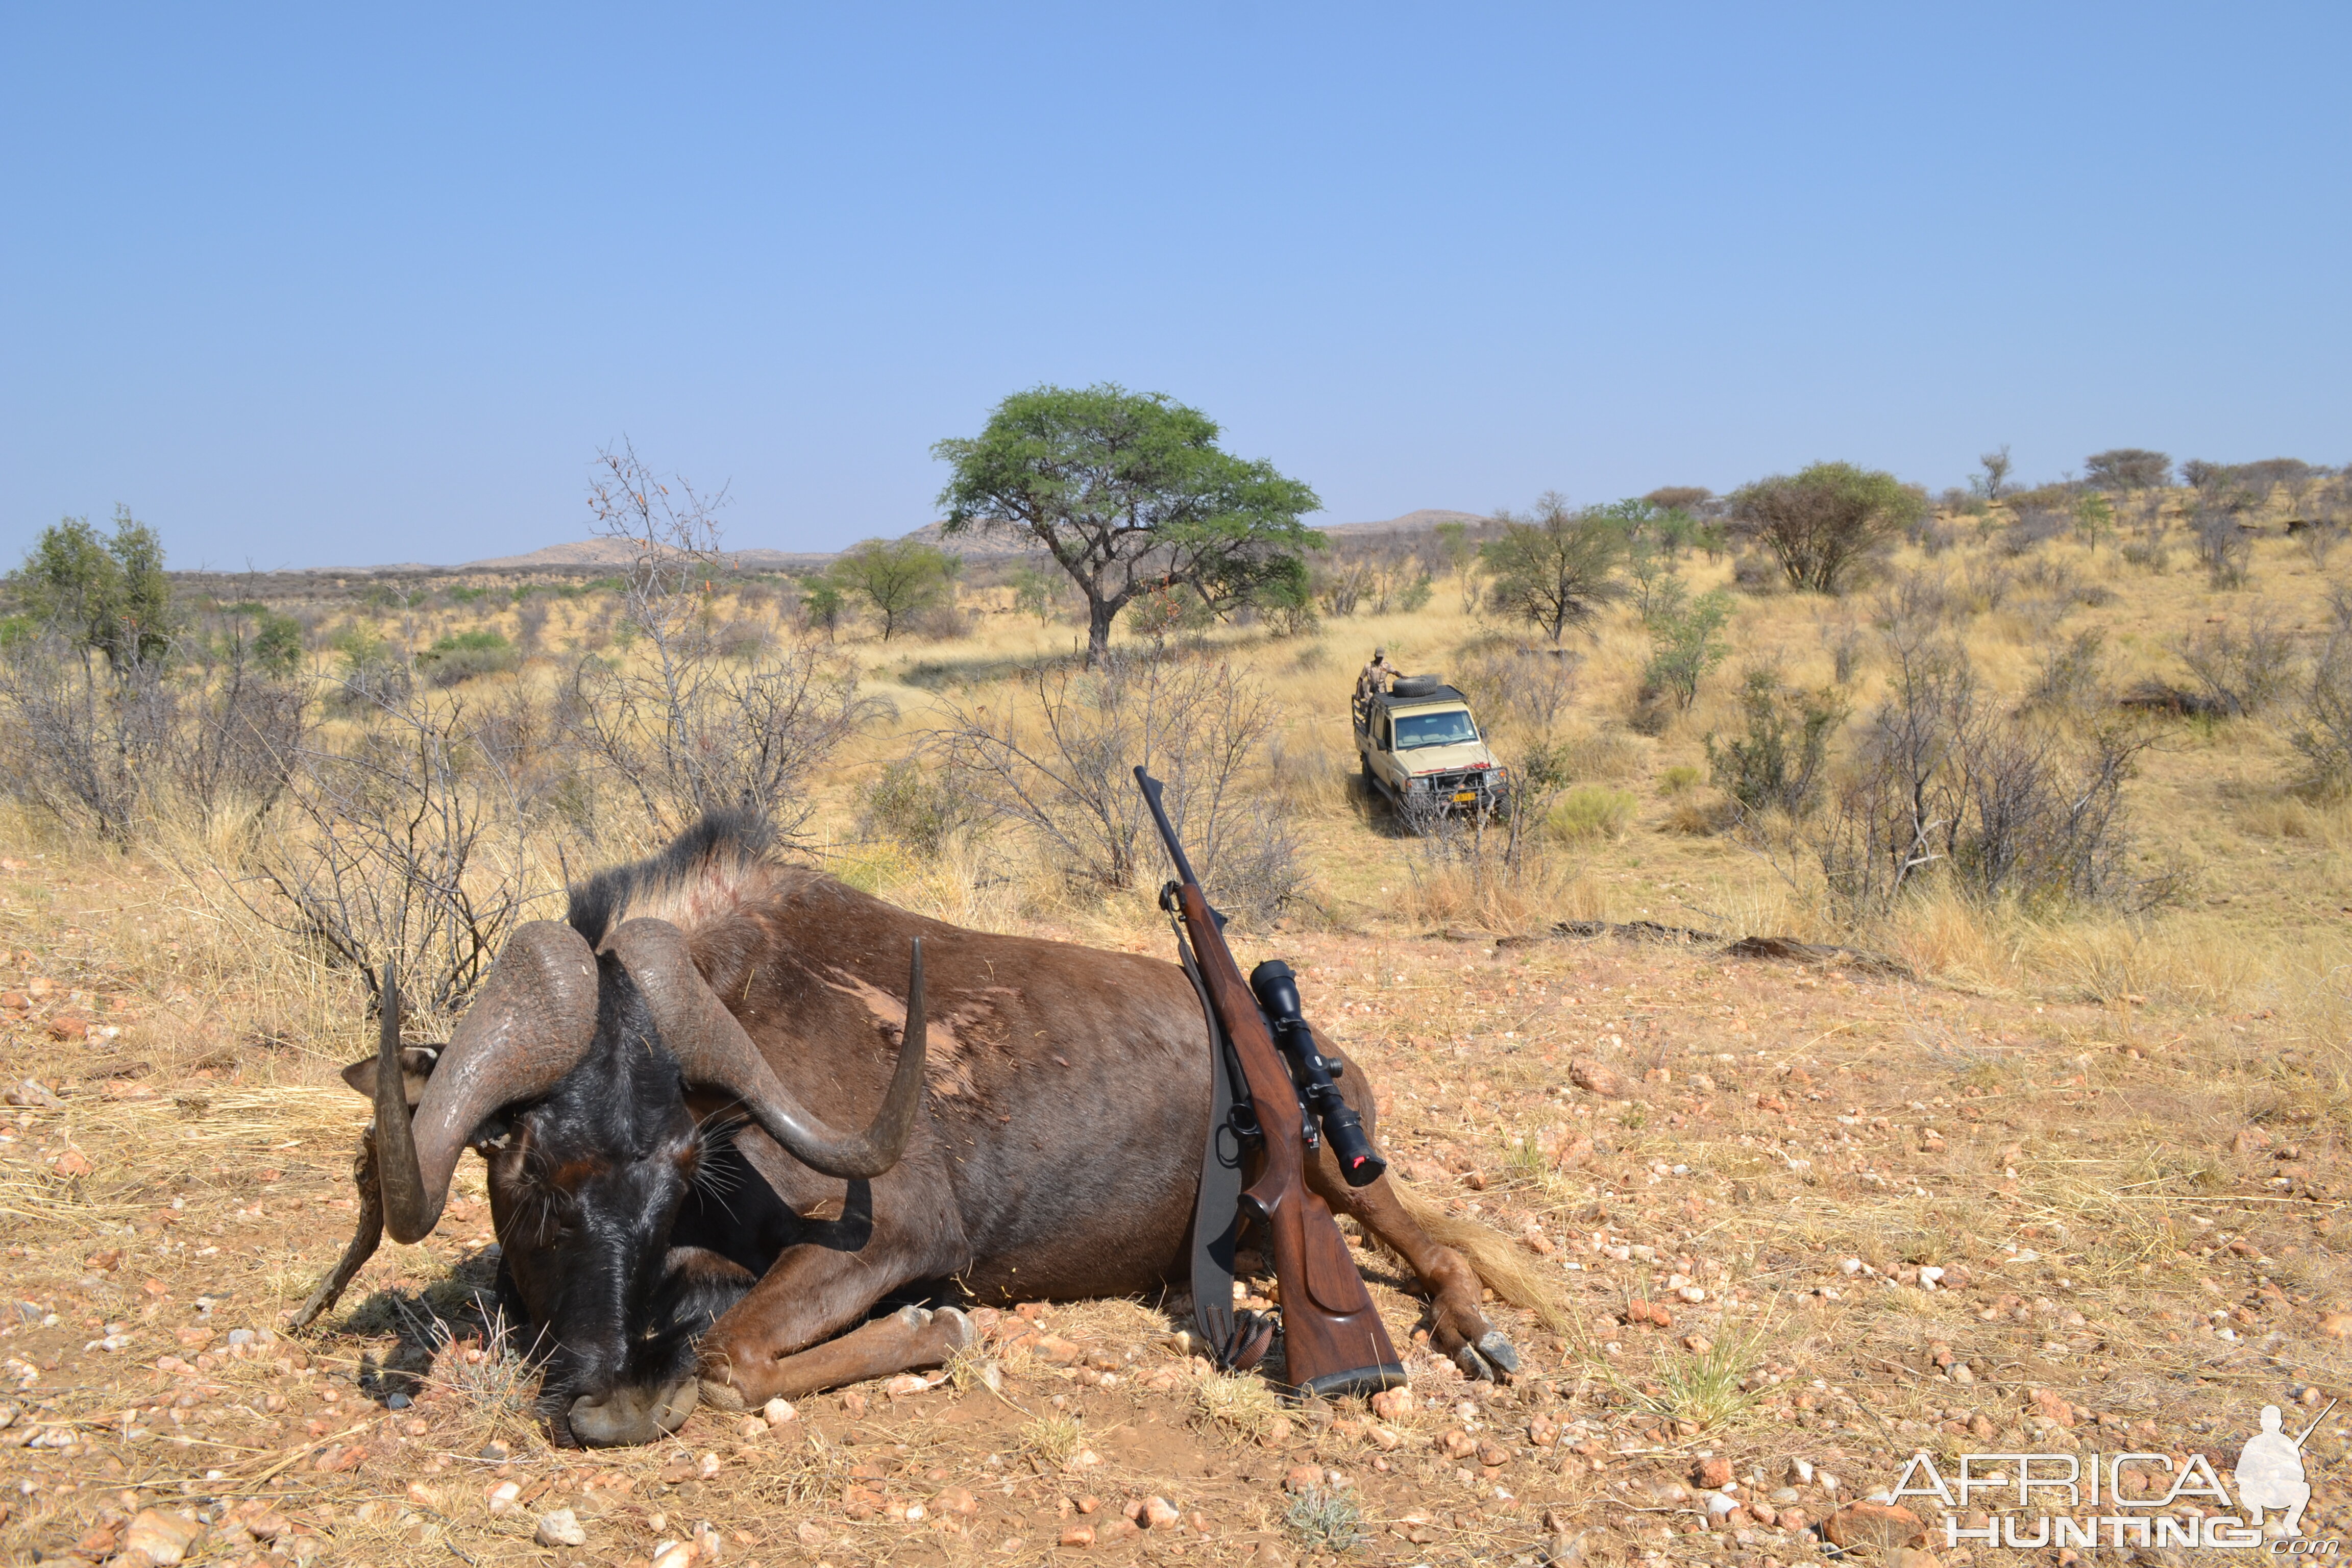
1128, 492
1820, 521
1555, 567
1995, 478
898, 578
2127, 468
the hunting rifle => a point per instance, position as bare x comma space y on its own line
1334, 1343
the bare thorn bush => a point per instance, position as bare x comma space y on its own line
409, 846
694, 722
1943, 789
87, 739
2323, 732
2243, 673
1052, 758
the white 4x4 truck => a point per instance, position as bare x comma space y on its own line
1421, 747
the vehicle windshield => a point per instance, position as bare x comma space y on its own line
1451, 728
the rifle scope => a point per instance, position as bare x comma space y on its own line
1277, 994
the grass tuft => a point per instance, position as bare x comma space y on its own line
1707, 1388
1243, 1406
1053, 1439
1328, 1520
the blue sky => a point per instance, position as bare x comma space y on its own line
311, 285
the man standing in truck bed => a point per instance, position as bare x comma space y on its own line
1376, 676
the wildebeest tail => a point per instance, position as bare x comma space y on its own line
1500, 1263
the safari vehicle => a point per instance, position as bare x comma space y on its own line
1421, 747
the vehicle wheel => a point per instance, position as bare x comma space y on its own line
1365, 763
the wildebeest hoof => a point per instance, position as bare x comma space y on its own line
956, 1327
721, 1396
1473, 1366
1499, 1351
627, 1415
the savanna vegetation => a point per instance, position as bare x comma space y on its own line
1906, 1005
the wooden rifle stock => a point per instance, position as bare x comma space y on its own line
1334, 1343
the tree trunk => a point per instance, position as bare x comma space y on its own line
1099, 615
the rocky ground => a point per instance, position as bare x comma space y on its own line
1798, 1223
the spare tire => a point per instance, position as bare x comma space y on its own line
1415, 686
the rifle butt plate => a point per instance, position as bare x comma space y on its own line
1359, 1382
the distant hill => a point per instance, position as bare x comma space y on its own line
1420, 522
986, 543
617, 552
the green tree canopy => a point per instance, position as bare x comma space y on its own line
1555, 567
899, 579
1129, 493
106, 595
1818, 524
2127, 469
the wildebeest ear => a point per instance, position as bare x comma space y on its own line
415, 1066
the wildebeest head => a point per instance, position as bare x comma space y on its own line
570, 1074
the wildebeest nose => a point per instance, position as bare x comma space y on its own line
639, 1415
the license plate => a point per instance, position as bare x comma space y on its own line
1465, 796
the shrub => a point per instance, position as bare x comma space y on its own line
2223, 547
2242, 674
1778, 762
1684, 647
943, 622
823, 606
85, 744
1531, 685
1942, 787
916, 805
1589, 811
107, 596
2318, 541
2035, 526
2322, 732
689, 732
413, 852
1821, 522
463, 656
1340, 585
1673, 780
1052, 759
1752, 573
2070, 671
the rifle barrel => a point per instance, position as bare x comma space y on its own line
2315, 1420
1150, 787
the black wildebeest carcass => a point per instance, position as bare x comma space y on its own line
658, 1083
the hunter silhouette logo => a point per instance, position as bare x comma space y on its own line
2270, 1472
2095, 1501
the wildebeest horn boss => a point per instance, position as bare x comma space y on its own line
658, 1085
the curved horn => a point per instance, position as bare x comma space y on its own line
535, 1018
711, 1044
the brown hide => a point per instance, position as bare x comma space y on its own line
1059, 1146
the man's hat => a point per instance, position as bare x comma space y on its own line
1380, 653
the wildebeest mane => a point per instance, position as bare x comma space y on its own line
706, 873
